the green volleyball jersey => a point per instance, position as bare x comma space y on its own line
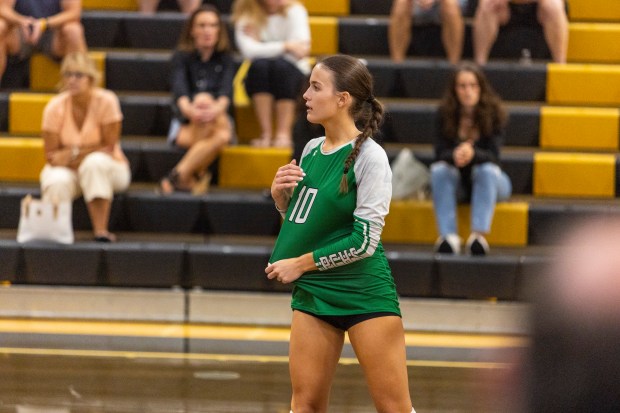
341, 230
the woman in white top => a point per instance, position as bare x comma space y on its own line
275, 36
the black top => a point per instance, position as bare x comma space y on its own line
190, 76
486, 148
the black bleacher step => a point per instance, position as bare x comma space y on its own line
148, 71
414, 272
56, 264
228, 267
382, 7
427, 79
478, 277
414, 78
368, 35
9, 256
107, 29
145, 264
414, 122
239, 266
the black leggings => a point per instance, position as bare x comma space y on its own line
276, 76
345, 322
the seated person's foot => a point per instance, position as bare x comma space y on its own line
283, 142
262, 142
171, 183
450, 244
105, 236
201, 186
477, 245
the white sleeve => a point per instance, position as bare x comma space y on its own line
298, 25
251, 48
374, 184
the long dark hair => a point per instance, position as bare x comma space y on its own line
351, 75
489, 114
186, 41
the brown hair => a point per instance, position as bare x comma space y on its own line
489, 114
352, 76
186, 41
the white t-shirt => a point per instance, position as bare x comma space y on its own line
279, 28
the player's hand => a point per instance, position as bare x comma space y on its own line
286, 271
286, 179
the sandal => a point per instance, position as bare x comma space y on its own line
105, 237
283, 142
261, 142
203, 181
170, 184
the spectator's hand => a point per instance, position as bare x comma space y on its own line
26, 26
36, 32
251, 31
463, 154
286, 179
61, 157
298, 48
425, 4
202, 113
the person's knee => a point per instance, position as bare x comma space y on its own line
450, 9
72, 32
487, 8
550, 10
4, 30
94, 162
60, 188
486, 170
440, 169
259, 66
401, 6
203, 99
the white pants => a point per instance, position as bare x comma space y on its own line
98, 176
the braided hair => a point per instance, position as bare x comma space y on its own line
352, 76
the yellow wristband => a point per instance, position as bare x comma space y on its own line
43, 22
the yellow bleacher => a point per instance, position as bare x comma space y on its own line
573, 174
414, 222
579, 128
21, 159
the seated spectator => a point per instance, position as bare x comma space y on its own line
491, 14
275, 36
49, 26
81, 134
202, 77
469, 135
447, 13
186, 6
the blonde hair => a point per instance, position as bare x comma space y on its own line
80, 62
254, 10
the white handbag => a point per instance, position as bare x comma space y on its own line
410, 177
45, 221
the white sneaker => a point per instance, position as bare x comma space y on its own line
477, 245
450, 244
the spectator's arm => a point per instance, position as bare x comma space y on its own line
10, 15
252, 48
